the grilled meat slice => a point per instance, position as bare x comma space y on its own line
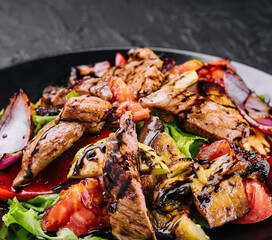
222, 203
98, 87
142, 73
141, 53
53, 96
199, 115
91, 111
127, 212
52, 140
79, 72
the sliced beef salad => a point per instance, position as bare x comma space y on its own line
145, 149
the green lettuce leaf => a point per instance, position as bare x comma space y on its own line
40, 203
188, 144
40, 121
72, 94
2, 113
27, 222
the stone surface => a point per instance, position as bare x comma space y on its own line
239, 30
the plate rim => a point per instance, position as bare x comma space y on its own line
127, 47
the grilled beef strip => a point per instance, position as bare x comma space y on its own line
53, 96
98, 87
222, 203
142, 72
127, 209
198, 115
93, 70
79, 114
91, 111
52, 140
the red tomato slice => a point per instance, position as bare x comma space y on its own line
80, 208
140, 113
214, 150
119, 59
52, 176
187, 66
120, 90
259, 201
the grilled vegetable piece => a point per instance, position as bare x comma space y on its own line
184, 80
223, 202
52, 140
152, 135
15, 129
89, 161
149, 161
187, 66
127, 209
142, 72
177, 225
198, 115
81, 209
91, 111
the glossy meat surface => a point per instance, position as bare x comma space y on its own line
127, 211
142, 73
199, 115
85, 109
52, 140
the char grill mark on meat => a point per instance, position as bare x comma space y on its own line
142, 73
52, 140
91, 111
199, 115
127, 211
98, 87
255, 164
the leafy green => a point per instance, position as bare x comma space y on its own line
261, 97
27, 222
2, 113
198, 217
40, 203
14, 231
139, 126
188, 143
72, 94
40, 121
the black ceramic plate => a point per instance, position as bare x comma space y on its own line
35, 75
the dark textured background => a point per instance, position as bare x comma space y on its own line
238, 30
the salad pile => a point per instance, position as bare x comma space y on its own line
144, 149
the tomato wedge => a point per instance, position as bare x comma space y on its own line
259, 201
80, 208
119, 59
120, 90
214, 150
214, 71
140, 113
187, 66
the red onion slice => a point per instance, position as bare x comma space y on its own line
9, 158
15, 128
251, 107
